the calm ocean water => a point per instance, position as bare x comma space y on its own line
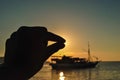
103, 71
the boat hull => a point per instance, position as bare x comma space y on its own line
73, 65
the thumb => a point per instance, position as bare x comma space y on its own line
52, 49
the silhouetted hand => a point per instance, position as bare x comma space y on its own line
26, 51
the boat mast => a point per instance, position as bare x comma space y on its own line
89, 57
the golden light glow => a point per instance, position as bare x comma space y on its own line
61, 76
69, 40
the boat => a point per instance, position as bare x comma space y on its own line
69, 62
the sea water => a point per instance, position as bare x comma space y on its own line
103, 71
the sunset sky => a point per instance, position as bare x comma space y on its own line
78, 21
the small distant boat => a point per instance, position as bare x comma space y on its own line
69, 62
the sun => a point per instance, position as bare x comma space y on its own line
67, 43
68, 40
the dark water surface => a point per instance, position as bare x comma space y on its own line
103, 71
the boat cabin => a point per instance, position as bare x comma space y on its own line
68, 59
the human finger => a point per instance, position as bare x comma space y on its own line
52, 49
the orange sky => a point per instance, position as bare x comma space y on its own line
78, 21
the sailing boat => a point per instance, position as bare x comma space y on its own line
69, 62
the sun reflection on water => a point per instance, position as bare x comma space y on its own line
61, 76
